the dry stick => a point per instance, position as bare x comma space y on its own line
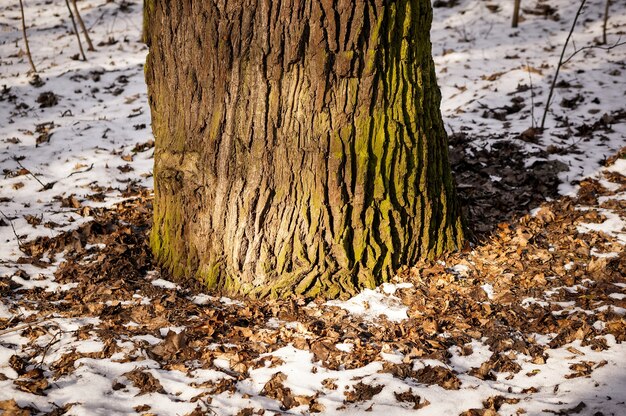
606, 19
558, 67
532, 97
516, 13
83, 27
80, 44
24, 326
81, 171
53, 341
604, 48
19, 240
29, 172
30, 57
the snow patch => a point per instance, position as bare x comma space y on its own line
4, 311
371, 304
165, 284
488, 288
613, 226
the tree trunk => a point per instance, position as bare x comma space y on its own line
516, 6
148, 10
299, 143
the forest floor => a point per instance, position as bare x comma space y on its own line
529, 319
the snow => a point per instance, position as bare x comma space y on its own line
615, 309
619, 167
5, 313
371, 304
98, 121
390, 288
92, 382
471, 394
228, 301
488, 288
610, 255
480, 354
470, 43
608, 379
150, 339
175, 329
202, 299
345, 346
613, 225
461, 269
165, 284
529, 301
91, 130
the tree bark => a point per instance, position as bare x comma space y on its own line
516, 7
90, 47
299, 143
28, 54
148, 10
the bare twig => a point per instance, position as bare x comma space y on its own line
81, 171
606, 19
24, 326
558, 67
56, 337
83, 27
605, 48
516, 7
19, 240
45, 187
532, 97
30, 57
80, 44
29, 172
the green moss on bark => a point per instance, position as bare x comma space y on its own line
291, 159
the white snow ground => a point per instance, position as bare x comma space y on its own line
102, 114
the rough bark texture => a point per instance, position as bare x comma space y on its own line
148, 10
299, 143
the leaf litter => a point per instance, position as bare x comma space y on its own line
551, 291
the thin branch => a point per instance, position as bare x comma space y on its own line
606, 19
19, 240
29, 172
83, 27
558, 67
532, 97
81, 171
55, 338
605, 48
30, 57
80, 44
24, 326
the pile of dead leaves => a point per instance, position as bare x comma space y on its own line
109, 261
